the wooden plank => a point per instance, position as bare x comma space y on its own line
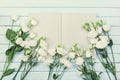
43, 76
6, 20
44, 68
101, 12
59, 3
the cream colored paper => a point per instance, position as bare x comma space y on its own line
64, 28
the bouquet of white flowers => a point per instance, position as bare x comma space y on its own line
84, 63
98, 35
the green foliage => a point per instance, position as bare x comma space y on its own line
8, 72
19, 48
10, 34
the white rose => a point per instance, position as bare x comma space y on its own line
32, 35
32, 43
79, 61
99, 30
72, 55
25, 58
40, 58
43, 43
19, 41
65, 62
61, 51
33, 22
24, 27
101, 44
93, 40
25, 44
88, 54
106, 27
42, 52
48, 61
105, 38
14, 18
52, 52
92, 34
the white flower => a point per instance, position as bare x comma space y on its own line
24, 27
79, 61
48, 61
25, 58
88, 54
93, 40
40, 58
25, 44
61, 51
101, 44
65, 62
105, 38
72, 55
14, 18
19, 41
99, 30
52, 52
32, 43
106, 27
43, 43
32, 35
42, 52
33, 22
92, 34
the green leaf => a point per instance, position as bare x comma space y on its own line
10, 34
11, 54
10, 50
8, 72
110, 43
19, 49
24, 35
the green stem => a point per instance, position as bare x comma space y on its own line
26, 73
18, 70
101, 60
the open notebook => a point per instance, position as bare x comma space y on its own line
64, 28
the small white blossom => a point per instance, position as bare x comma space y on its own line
43, 43
72, 55
14, 18
101, 44
79, 61
92, 34
32, 43
48, 61
105, 38
25, 44
61, 51
25, 58
32, 35
88, 54
40, 58
93, 40
106, 27
24, 27
52, 52
42, 52
33, 22
65, 62
19, 41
